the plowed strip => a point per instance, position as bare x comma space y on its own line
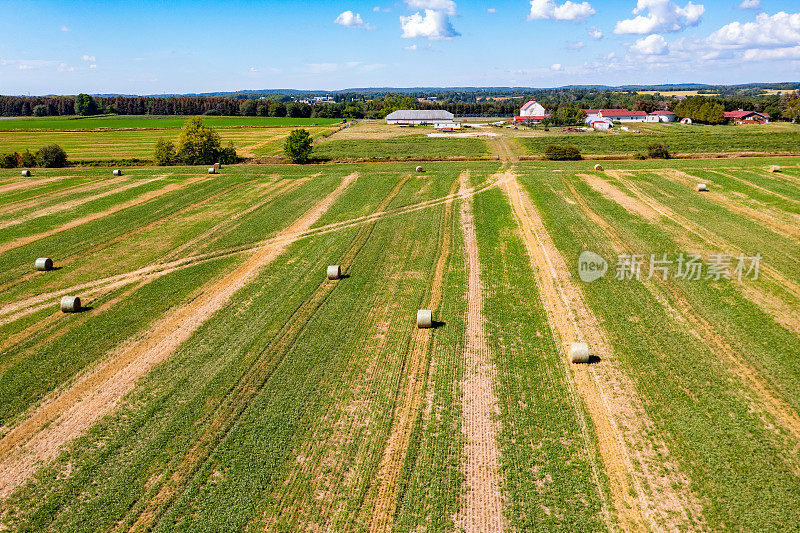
649, 490
410, 395
146, 197
33, 201
482, 509
27, 182
96, 394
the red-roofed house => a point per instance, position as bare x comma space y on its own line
746, 117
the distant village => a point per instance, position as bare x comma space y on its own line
533, 113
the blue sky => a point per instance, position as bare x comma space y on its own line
151, 47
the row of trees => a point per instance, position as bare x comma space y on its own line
355, 105
51, 156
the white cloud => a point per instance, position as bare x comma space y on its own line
775, 53
349, 19
253, 69
63, 67
64, 28
379, 9
576, 45
88, 58
780, 29
662, 15
556, 67
491, 10
93, 66
548, 10
448, 6
410, 47
595, 33
750, 4
433, 25
651, 45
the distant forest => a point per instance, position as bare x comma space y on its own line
354, 105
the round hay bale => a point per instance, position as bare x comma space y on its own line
44, 264
424, 318
212, 170
70, 304
334, 272
420, 169
117, 172
579, 352
702, 187
598, 167
26, 173
774, 168
217, 166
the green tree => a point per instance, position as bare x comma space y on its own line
248, 108
11, 160
298, 146
278, 110
27, 159
40, 110
658, 151
164, 152
198, 144
353, 111
85, 105
51, 156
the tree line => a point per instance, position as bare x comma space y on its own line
561, 102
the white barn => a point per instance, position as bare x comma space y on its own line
532, 109
417, 117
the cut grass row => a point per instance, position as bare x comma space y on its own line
408, 147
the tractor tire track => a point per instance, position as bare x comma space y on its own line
68, 413
482, 509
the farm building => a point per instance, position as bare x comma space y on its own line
602, 124
532, 113
616, 115
418, 117
746, 117
661, 116
447, 126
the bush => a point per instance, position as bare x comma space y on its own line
227, 156
562, 153
164, 153
11, 160
51, 156
658, 151
198, 144
40, 110
298, 146
213, 113
640, 156
27, 159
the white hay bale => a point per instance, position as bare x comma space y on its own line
579, 352
702, 187
217, 166
774, 168
424, 318
334, 272
44, 264
419, 169
598, 167
117, 172
212, 170
70, 304
26, 173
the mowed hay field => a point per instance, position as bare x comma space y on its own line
216, 380
99, 139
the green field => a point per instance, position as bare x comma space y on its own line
153, 121
216, 380
406, 147
693, 139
